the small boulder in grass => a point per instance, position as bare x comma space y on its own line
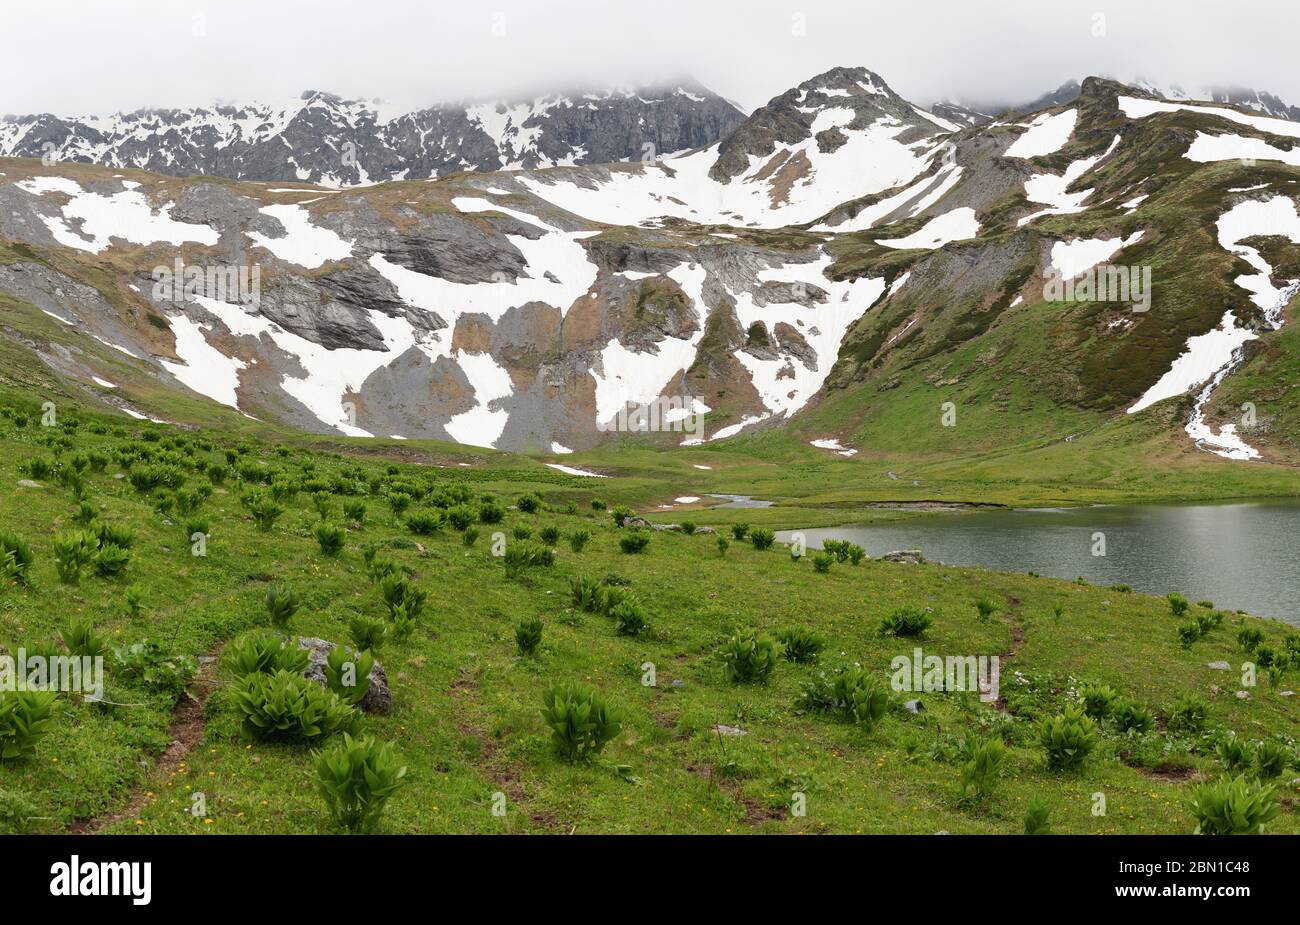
378, 699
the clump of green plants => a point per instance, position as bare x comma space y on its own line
25, 717
851, 694
1069, 738
1233, 753
425, 522
461, 516
329, 536
347, 673
620, 514
367, 633
1188, 715
1271, 759
398, 502
762, 537
634, 542
582, 723
906, 621
985, 608
323, 501
748, 658
1189, 633
133, 598
356, 778
1177, 603
979, 774
469, 537
822, 562
528, 504
286, 705
263, 653
354, 511
739, 531
801, 644
598, 504
264, 510
282, 602
1131, 716
157, 669
73, 550
1249, 637
629, 617
80, 639
1036, 817
578, 539
520, 556
1098, 700
1233, 806
723, 545
521, 532
687, 527
528, 635
490, 512
15, 559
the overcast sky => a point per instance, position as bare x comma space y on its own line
84, 57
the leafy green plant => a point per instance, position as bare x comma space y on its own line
1129, 715
739, 531
399, 594
582, 723
25, 716
73, 550
1271, 759
285, 705
264, 510
620, 514
398, 502
1177, 603
282, 602
629, 617
822, 562
578, 539
634, 542
367, 633
469, 537
426, 522
264, 653
354, 511
1188, 714
133, 597
1189, 633
110, 560
762, 537
15, 558
528, 504
1099, 700
1036, 817
687, 527
1233, 806
489, 512
461, 516
980, 773
801, 644
86, 514
1249, 637
985, 608
850, 694
356, 778
549, 535
526, 555
329, 537
150, 665
1068, 738
323, 501
723, 545
521, 532
748, 658
1233, 753
528, 635
79, 637
906, 621
347, 673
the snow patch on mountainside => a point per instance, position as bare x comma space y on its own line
957, 225
127, 215
1136, 108
1047, 134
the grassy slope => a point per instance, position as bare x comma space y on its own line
466, 706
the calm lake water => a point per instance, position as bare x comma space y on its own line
1240, 556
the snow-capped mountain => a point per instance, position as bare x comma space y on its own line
321, 138
840, 249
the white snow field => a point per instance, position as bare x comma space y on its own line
1047, 134
127, 215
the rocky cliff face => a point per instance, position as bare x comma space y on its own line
321, 138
